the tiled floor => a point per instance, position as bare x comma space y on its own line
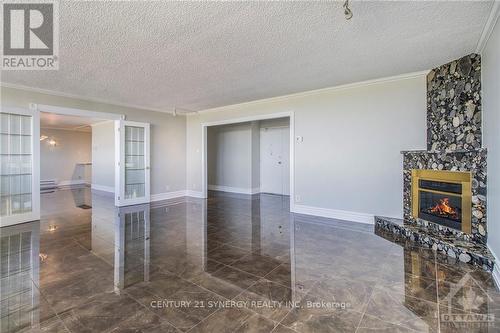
228, 264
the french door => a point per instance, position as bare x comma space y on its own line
132, 173
19, 165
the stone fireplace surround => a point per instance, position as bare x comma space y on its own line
453, 144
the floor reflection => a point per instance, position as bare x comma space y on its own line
19, 273
232, 263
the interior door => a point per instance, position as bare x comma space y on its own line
133, 168
19, 165
275, 160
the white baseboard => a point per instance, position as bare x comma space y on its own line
496, 269
103, 188
334, 214
194, 194
72, 182
167, 195
255, 190
230, 189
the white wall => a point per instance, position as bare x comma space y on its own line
350, 156
491, 134
168, 134
255, 158
229, 156
103, 147
63, 161
278, 122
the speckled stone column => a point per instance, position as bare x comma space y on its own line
454, 105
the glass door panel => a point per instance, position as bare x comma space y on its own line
135, 178
19, 153
133, 165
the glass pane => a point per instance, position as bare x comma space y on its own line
16, 146
4, 123
134, 162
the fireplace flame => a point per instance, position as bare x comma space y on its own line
444, 208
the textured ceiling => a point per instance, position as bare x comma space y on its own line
197, 55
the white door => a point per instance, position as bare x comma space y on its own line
275, 160
133, 169
19, 165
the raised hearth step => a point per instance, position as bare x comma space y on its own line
399, 231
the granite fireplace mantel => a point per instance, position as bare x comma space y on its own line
454, 143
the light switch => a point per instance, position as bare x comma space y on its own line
299, 139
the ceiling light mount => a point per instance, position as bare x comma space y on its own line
347, 10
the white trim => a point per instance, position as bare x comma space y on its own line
488, 27
79, 112
230, 189
496, 268
167, 195
247, 119
316, 92
335, 214
119, 137
81, 97
194, 194
79, 129
102, 188
71, 182
204, 126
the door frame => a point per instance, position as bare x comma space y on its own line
204, 126
78, 113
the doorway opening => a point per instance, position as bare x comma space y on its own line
249, 156
22, 139
75, 162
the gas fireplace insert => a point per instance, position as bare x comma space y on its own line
442, 197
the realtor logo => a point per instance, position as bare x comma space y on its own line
30, 36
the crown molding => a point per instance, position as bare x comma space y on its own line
81, 130
232, 106
488, 27
76, 96
316, 92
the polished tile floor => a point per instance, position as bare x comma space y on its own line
228, 264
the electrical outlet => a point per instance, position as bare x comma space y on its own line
298, 198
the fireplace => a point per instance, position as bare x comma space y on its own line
442, 197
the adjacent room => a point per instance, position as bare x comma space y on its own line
74, 161
281, 166
250, 157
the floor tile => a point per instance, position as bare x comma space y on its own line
231, 263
